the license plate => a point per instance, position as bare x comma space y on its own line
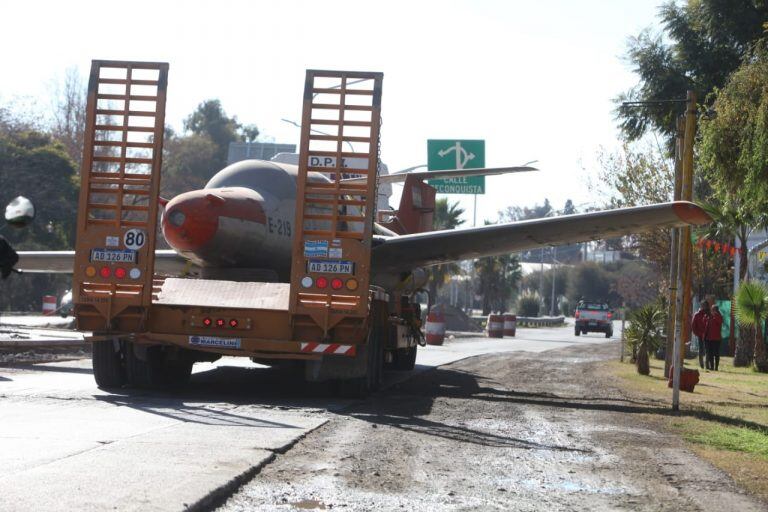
592, 323
332, 267
113, 255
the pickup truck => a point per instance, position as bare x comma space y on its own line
593, 316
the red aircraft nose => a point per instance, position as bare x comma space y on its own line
191, 219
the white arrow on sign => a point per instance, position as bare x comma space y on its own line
462, 155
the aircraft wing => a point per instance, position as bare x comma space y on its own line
451, 173
62, 262
406, 252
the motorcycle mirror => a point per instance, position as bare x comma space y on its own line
20, 212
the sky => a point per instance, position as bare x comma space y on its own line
535, 80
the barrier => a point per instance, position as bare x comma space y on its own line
495, 326
435, 327
49, 304
542, 321
510, 324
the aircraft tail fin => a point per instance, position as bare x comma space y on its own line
416, 210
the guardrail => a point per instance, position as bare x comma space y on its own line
530, 321
540, 321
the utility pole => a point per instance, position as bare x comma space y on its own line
673, 250
685, 248
552, 303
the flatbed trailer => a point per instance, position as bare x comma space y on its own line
149, 329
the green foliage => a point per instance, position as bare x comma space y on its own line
734, 143
497, 279
751, 305
445, 217
528, 304
591, 281
188, 163
35, 166
211, 121
703, 42
643, 334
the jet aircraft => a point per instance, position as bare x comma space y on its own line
240, 227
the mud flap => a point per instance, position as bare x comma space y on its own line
337, 367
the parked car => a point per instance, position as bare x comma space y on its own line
593, 316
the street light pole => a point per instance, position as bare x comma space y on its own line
554, 276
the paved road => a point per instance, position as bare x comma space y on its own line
64, 444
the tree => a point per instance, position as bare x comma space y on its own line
35, 166
210, 120
636, 176
188, 163
702, 43
69, 109
734, 150
446, 217
497, 278
752, 310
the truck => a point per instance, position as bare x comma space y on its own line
148, 329
593, 316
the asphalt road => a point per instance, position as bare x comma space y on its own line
65, 444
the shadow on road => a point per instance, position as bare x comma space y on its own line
406, 406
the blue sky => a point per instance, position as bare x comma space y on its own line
534, 79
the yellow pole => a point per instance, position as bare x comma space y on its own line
685, 247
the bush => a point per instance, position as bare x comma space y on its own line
643, 334
528, 304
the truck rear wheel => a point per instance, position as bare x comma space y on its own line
108, 367
405, 358
577, 331
361, 387
142, 366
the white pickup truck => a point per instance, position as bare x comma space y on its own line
592, 316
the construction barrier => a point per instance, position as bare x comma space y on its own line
435, 328
495, 326
510, 324
49, 304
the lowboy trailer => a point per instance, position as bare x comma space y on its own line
149, 330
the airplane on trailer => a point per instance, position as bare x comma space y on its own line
240, 227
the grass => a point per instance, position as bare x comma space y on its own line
725, 419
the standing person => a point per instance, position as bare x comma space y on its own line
713, 336
699, 328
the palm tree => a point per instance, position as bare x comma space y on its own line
751, 310
445, 217
643, 334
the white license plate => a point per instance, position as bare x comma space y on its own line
113, 255
332, 267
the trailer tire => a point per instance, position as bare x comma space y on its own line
108, 367
361, 387
177, 373
142, 370
405, 358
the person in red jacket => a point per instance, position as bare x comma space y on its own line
699, 328
713, 337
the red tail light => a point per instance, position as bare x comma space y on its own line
576, 314
610, 315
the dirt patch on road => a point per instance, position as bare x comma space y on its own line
516, 431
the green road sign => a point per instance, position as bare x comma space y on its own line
456, 154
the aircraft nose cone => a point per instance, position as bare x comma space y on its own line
190, 220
